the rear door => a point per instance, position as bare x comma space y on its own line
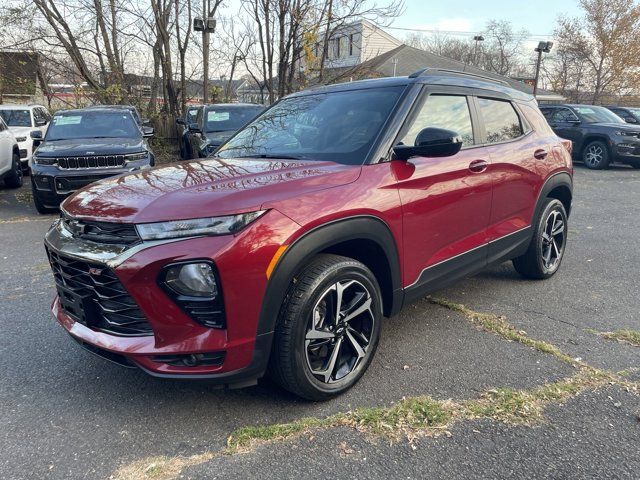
445, 201
515, 151
6, 148
566, 124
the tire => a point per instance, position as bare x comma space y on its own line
40, 207
596, 155
15, 178
314, 356
543, 257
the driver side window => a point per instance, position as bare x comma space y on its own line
565, 115
450, 112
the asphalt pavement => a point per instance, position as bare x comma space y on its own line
68, 415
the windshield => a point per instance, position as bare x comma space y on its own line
592, 114
220, 119
16, 118
96, 124
336, 126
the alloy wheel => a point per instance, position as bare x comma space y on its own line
594, 156
340, 331
553, 240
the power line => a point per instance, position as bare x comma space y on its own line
459, 32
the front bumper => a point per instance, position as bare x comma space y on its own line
53, 184
244, 349
628, 150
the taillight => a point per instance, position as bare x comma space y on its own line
568, 144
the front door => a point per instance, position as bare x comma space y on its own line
446, 201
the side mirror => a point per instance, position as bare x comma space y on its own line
181, 121
36, 135
145, 121
631, 120
195, 128
40, 122
147, 132
431, 142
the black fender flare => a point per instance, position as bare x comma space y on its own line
559, 179
316, 240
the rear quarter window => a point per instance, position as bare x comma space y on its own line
501, 121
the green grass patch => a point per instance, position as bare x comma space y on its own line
631, 337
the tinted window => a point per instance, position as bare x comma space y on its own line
547, 112
501, 121
95, 124
336, 126
442, 111
2, 125
564, 115
220, 119
16, 118
192, 115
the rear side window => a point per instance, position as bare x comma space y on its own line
564, 115
442, 111
501, 121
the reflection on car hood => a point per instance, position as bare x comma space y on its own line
204, 188
90, 146
618, 126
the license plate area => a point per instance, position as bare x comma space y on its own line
78, 306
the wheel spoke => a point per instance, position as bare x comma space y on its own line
358, 348
558, 228
547, 256
314, 334
555, 249
326, 373
366, 306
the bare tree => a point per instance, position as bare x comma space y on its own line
605, 42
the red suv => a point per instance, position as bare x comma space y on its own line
333, 209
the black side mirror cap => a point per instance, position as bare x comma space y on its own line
148, 131
36, 135
431, 142
181, 121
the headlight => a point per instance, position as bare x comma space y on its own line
137, 156
622, 133
43, 160
199, 226
192, 279
21, 139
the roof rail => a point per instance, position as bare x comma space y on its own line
434, 71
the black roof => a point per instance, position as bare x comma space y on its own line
432, 76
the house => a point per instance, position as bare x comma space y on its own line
19, 77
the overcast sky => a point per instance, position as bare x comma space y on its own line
537, 16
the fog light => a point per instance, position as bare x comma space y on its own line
192, 279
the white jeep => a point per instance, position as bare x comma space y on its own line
10, 166
22, 120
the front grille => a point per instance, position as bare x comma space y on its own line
71, 184
93, 161
102, 232
92, 295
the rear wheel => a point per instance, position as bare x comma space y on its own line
546, 250
14, 179
596, 155
328, 328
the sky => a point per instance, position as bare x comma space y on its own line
538, 17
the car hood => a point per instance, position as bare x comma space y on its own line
625, 127
205, 188
217, 138
22, 131
91, 146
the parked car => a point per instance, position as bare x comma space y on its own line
628, 114
333, 209
22, 120
215, 124
82, 146
190, 117
10, 166
599, 136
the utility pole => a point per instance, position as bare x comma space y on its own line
542, 47
206, 25
477, 39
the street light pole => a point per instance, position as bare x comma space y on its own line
478, 39
206, 25
542, 47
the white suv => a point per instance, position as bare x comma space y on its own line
10, 166
22, 120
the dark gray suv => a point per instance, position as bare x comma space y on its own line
599, 136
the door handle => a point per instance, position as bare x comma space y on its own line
540, 154
478, 166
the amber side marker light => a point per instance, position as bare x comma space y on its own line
274, 260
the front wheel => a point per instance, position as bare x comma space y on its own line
14, 178
328, 328
596, 155
547, 247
